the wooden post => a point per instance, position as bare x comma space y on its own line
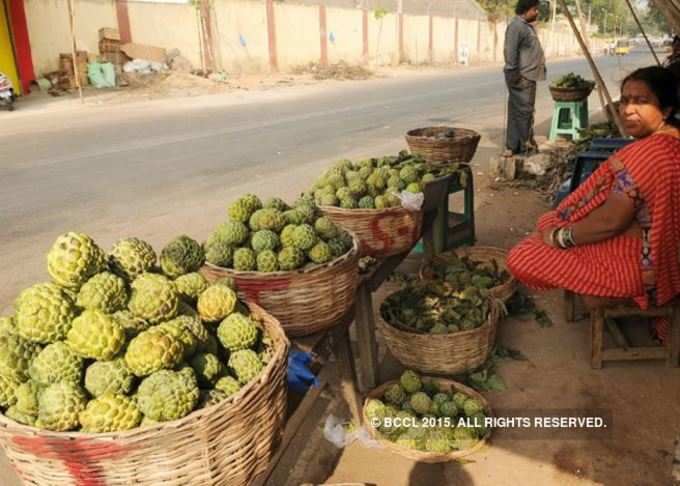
365, 328
399, 54
364, 29
206, 35
74, 48
597, 337
123, 16
271, 36
642, 30
479, 40
455, 40
593, 67
430, 41
346, 371
323, 35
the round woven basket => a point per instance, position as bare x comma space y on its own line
571, 94
443, 144
477, 254
381, 232
304, 301
231, 442
427, 457
442, 354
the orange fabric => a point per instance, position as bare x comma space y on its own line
613, 268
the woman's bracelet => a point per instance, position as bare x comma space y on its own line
564, 237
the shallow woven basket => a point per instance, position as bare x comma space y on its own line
305, 301
443, 354
571, 94
427, 457
230, 443
461, 147
477, 254
381, 232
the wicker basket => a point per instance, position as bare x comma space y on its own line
477, 254
428, 457
571, 94
381, 232
228, 443
443, 144
442, 354
304, 301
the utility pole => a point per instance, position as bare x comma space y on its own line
553, 20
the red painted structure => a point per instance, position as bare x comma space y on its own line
271, 36
123, 15
323, 34
22, 43
364, 50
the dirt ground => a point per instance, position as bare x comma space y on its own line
642, 399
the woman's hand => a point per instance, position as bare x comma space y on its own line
547, 236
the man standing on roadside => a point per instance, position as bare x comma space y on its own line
524, 66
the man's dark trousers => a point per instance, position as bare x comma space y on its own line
521, 102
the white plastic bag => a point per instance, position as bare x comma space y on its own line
336, 432
412, 201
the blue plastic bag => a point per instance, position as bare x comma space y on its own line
300, 377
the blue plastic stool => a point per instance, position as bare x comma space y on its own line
568, 118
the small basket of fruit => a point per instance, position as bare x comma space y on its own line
427, 419
571, 87
443, 144
432, 328
291, 260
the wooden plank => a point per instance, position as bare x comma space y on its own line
569, 300
368, 347
673, 359
634, 353
346, 372
615, 331
627, 311
596, 339
294, 423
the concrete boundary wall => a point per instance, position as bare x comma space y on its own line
260, 36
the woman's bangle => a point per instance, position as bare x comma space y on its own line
565, 238
552, 236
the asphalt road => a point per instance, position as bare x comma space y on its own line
163, 168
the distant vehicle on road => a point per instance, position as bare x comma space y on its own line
622, 47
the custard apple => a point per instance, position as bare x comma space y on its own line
208, 398
326, 228
291, 258
276, 203
380, 202
421, 403
131, 324
231, 233
337, 247
320, 253
96, 335
472, 407
181, 256
191, 285
27, 395
305, 237
131, 257
414, 187
237, 332
43, 313
448, 409
105, 292
154, 298
109, 377
245, 365
219, 253
168, 395
182, 334
241, 210
459, 398
343, 193
308, 210
228, 385
288, 235
110, 413
245, 260
7, 326
366, 202
60, 404
267, 261
8, 388
208, 369
153, 350
265, 240
268, 219
13, 413
349, 203
395, 394
427, 178
409, 174
57, 362
293, 216
410, 381
16, 355
438, 441
73, 259
464, 437
375, 409
216, 303
358, 188
194, 325
252, 202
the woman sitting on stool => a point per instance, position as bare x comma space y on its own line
618, 235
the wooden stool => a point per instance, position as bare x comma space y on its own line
624, 352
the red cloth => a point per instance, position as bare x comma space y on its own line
22, 44
613, 268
